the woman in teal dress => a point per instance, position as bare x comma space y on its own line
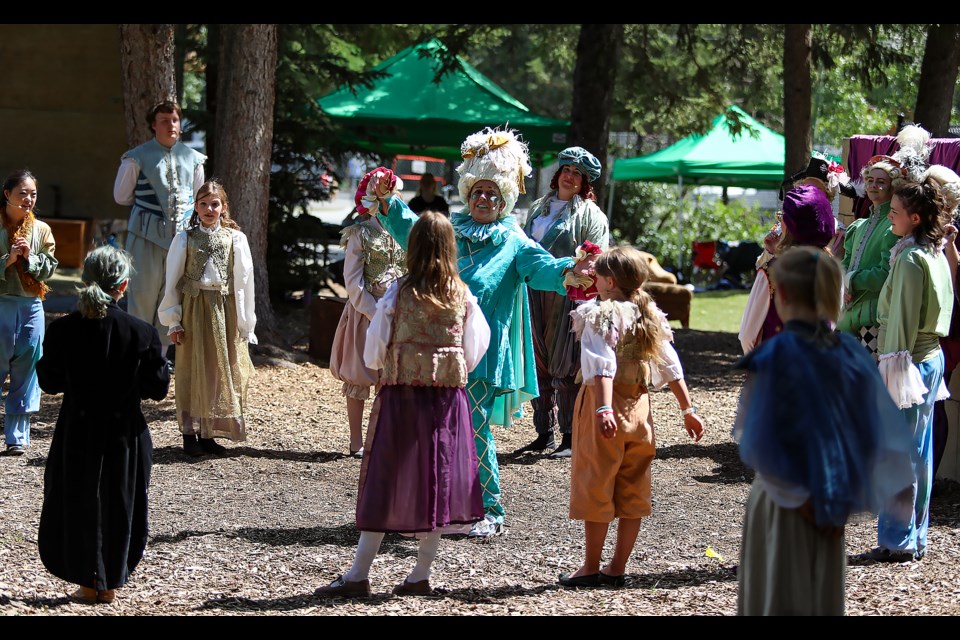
498, 262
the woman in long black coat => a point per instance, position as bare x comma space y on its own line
93, 528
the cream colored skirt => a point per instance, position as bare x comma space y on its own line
787, 568
213, 368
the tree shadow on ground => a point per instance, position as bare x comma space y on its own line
175, 454
37, 603
945, 504
345, 535
708, 358
524, 459
477, 595
289, 603
38, 460
730, 469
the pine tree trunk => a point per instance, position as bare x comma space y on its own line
938, 78
146, 67
244, 141
797, 94
179, 56
212, 74
594, 76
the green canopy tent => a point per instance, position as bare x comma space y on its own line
753, 159
407, 113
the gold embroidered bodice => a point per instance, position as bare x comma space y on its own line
383, 259
201, 246
426, 347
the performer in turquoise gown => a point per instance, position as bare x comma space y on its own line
498, 262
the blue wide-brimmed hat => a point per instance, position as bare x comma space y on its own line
583, 160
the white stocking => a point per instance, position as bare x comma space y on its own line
426, 554
367, 550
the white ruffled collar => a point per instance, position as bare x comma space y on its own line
464, 226
209, 230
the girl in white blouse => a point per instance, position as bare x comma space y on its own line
208, 306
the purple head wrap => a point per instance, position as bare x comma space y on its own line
808, 216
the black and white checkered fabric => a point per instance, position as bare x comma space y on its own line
868, 338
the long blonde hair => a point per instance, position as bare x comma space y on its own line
629, 271
432, 274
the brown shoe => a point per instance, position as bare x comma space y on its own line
84, 595
407, 588
341, 588
107, 596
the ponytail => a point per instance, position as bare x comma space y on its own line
104, 270
649, 328
92, 301
629, 270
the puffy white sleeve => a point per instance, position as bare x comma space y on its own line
758, 304
198, 177
668, 368
361, 299
476, 334
381, 326
126, 181
597, 358
170, 311
244, 293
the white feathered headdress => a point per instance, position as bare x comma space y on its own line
499, 156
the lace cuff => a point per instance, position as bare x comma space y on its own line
902, 378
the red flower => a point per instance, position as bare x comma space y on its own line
590, 249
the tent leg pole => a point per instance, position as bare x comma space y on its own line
680, 223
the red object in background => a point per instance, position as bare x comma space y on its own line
705, 255
410, 169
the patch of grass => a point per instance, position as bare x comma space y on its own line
717, 310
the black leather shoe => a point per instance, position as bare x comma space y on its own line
543, 442
565, 450
612, 581
191, 446
879, 554
209, 445
590, 582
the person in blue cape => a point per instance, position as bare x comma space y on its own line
820, 454
498, 262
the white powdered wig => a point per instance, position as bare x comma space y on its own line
949, 184
914, 151
499, 156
